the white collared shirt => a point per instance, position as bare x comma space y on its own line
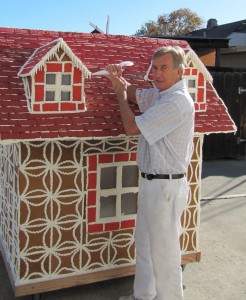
167, 129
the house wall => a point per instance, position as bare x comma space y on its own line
59, 233
233, 58
237, 39
55, 211
9, 204
207, 56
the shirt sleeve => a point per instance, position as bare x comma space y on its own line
145, 98
159, 120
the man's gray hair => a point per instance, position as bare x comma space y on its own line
177, 54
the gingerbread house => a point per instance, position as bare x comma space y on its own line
68, 174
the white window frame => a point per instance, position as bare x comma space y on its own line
192, 90
117, 191
58, 88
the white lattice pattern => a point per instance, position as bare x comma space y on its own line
50, 213
9, 204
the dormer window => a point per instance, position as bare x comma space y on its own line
54, 83
196, 76
196, 85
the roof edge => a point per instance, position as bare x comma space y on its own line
199, 64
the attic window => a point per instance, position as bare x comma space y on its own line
196, 76
58, 87
192, 87
53, 79
191, 83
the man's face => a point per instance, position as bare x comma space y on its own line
164, 74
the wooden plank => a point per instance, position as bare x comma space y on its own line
70, 281
41, 286
191, 257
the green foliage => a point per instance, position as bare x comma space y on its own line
177, 23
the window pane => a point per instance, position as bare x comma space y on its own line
129, 203
193, 96
66, 79
65, 96
49, 96
130, 176
108, 206
108, 178
50, 78
191, 83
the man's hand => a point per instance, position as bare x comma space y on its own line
115, 69
118, 82
120, 86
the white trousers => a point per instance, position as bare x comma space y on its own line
158, 267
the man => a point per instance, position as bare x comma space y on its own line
166, 129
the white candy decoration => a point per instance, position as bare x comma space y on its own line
122, 64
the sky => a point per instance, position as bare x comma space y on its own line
126, 16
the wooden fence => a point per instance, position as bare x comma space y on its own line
231, 86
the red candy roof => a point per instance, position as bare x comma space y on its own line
23, 51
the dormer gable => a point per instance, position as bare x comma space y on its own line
54, 78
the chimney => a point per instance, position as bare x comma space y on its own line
212, 23
165, 28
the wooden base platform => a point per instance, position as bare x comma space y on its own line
45, 285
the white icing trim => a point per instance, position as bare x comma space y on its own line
61, 44
117, 191
8, 142
11, 141
234, 125
191, 55
27, 93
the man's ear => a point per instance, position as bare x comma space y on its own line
180, 72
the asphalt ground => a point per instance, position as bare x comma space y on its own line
221, 273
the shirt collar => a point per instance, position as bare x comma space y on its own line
177, 86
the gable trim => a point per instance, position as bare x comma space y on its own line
191, 55
59, 44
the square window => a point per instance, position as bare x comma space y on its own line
65, 96
66, 79
50, 78
191, 83
130, 176
108, 206
129, 203
118, 187
108, 178
49, 96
